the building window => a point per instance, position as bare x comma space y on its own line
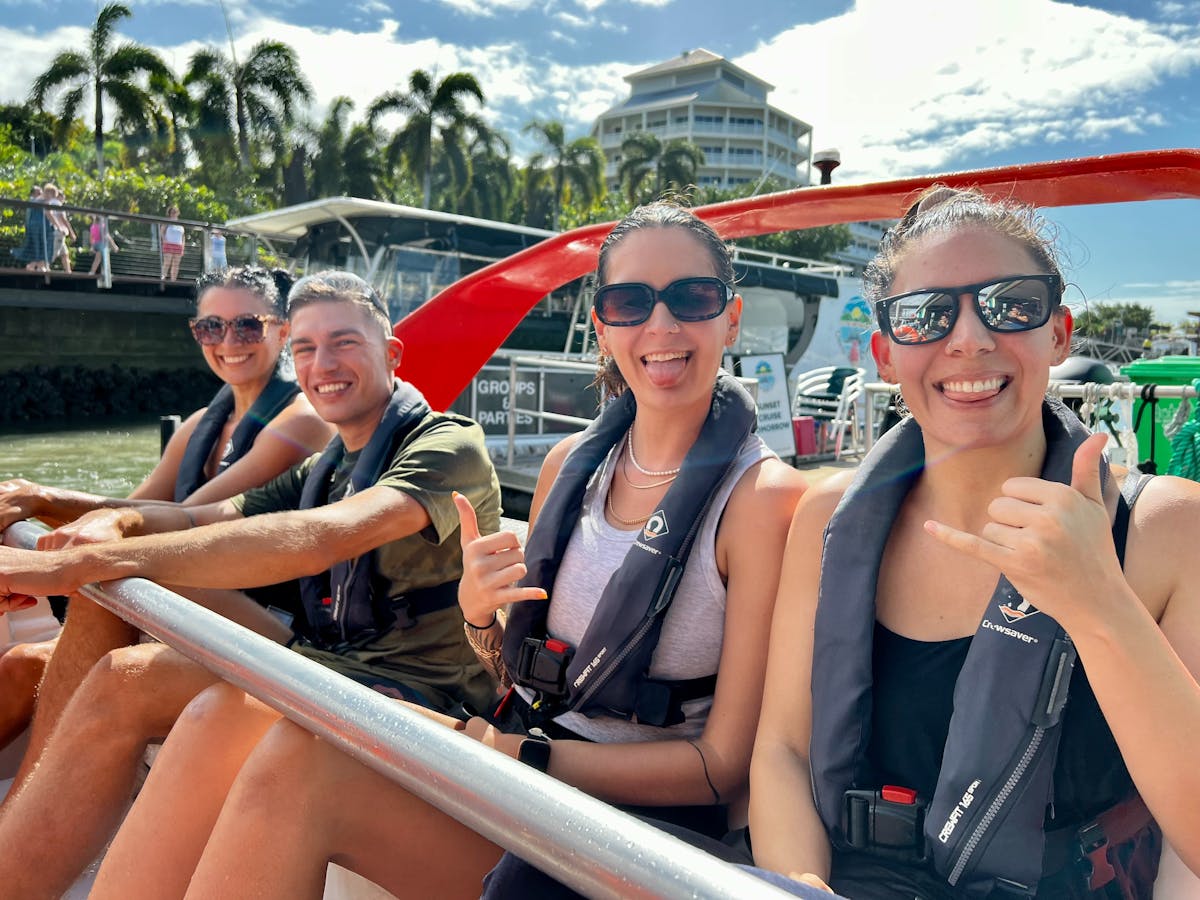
734, 80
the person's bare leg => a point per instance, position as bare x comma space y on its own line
301, 803
60, 817
160, 842
21, 669
90, 632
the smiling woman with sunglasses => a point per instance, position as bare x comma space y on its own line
983, 659
257, 426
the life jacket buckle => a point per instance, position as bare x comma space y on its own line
542, 665
1093, 850
888, 823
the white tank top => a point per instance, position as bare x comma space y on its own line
690, 643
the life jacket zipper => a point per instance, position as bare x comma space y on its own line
993, 810
632, 644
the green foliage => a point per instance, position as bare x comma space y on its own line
127, 190
1113, 318
27, 128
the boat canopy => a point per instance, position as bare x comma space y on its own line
375, 222
751, 274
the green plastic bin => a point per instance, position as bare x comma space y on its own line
1166, 370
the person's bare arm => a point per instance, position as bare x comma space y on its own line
240, 553
291, 437
788, 835
714, 767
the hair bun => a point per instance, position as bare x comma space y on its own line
283, 283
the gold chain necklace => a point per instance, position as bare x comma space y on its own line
636, 465
643, 487
623, 521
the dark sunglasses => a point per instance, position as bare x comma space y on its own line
1004, 305
688, 299
247, 329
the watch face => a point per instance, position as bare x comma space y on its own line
535, 751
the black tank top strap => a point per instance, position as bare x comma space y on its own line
1131, 489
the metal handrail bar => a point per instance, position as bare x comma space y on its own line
542, 362
120, 214
585, 843
1074, 390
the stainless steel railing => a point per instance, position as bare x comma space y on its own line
138, 238
1118, 390
585, 843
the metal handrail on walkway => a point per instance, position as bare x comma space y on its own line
1117, 390
585, 843
540, 362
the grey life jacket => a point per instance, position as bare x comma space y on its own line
984, 825
608, 672
273, 400
349, 604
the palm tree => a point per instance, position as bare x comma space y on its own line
257, 96
578, 166
673, 164
107, 71
432, 111
493, 181
346, 158
173, 112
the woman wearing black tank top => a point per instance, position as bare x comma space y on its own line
241, 330
969, 297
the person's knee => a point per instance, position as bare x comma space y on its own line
22, 667
139, 690
226, 711
288, 766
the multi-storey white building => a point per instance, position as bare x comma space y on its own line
722, 109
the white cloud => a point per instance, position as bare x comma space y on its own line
488, 7
571, 19
875, 81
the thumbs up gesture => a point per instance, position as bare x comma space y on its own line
1052, 541
492, 566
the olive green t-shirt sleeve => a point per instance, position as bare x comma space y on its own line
280, 493
447, 454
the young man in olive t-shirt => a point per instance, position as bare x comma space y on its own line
345, 355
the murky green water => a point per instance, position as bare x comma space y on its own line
108, 458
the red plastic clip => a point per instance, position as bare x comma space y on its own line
895, 794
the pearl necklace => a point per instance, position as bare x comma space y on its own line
643, 487
624, 521
637, 465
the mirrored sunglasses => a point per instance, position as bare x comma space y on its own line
688, 299
247, 329
1004, 305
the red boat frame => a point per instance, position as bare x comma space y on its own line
448, 339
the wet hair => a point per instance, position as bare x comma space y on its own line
660, 214
344, 287
261, 282
942, 209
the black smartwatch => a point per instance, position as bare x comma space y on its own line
535, 750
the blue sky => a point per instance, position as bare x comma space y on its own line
900, 87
